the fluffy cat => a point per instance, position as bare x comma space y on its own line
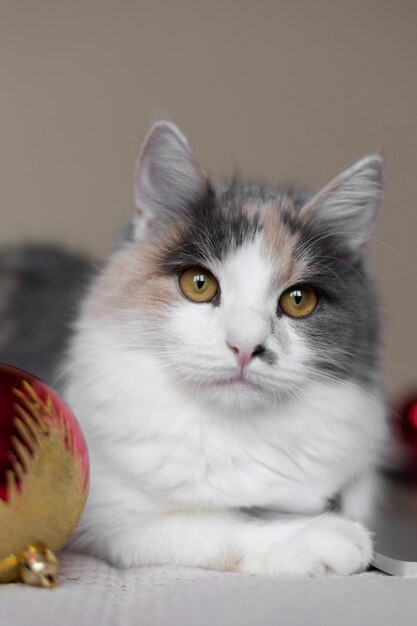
40, 290
224, 368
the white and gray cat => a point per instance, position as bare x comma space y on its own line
224, 368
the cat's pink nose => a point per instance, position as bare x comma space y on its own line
244, 352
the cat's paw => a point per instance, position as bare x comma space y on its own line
329, 545
343, 546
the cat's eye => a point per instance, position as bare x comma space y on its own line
298, 301
198, 284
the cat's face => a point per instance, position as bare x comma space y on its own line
245, 293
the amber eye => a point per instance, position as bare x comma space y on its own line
198, 284
298, 301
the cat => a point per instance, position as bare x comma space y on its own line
40, 290
224, 367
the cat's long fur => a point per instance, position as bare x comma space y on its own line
197, 459
40, 290
190, 464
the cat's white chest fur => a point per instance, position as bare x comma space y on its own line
171, 451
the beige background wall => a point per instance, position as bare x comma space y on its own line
284, 90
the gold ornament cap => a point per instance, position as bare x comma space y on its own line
38, 566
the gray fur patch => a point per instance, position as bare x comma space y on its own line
40, 289
268, 356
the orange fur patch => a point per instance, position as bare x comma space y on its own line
281, 245
133, 282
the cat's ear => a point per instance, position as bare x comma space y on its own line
168, 179
346, 207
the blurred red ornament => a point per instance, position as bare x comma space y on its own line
401, 457
44, 467
407, 423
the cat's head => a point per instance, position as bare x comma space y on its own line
245, 293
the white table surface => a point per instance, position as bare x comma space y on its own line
93, 593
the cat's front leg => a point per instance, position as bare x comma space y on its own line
293, 546
318, 546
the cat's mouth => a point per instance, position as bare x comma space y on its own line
234, 382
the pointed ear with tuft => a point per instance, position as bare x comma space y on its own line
168, 179
346, 208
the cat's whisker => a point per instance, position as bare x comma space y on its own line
405, 368
387, 409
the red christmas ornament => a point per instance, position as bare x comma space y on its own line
408, 423
44, 474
